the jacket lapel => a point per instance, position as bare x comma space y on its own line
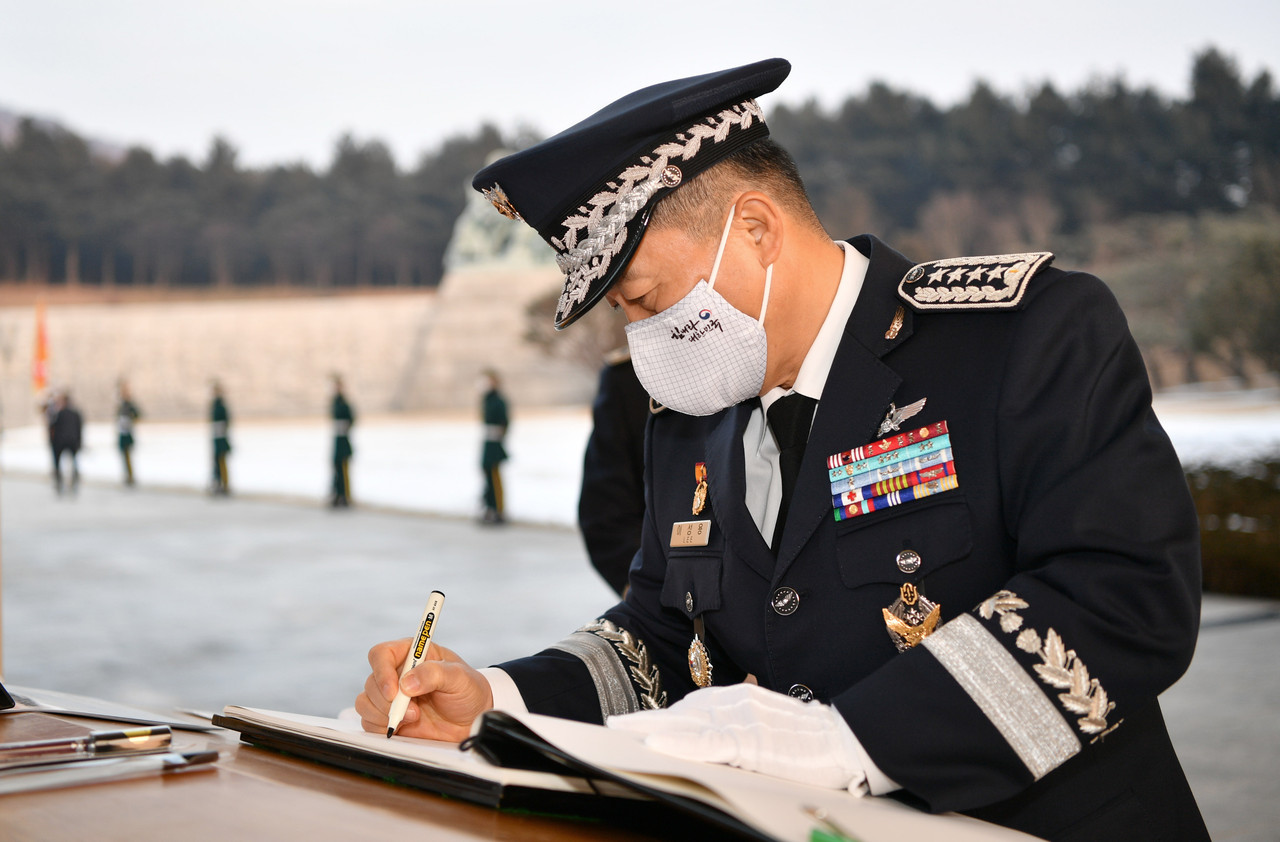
856, 396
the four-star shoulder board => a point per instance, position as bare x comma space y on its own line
994, 282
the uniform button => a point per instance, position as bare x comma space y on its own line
688, 602
785, 601
799, 691
908, 561
916, 273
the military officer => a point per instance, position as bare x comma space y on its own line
493, 413
220, 423
343, 417
127, 414
926, 505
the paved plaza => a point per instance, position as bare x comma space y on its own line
171, 599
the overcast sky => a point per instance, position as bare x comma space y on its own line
283, 79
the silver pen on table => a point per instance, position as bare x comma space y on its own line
140, 740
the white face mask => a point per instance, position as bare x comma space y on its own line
701, 354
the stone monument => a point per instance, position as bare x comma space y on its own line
495, 269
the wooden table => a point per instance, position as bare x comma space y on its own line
252, 793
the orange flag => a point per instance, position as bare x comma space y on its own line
40, 362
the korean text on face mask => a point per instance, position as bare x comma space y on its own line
695, 329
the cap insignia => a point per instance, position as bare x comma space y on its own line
597, 231
500, 202
993, 282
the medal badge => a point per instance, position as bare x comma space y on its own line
699, 661
911, 618
694, 533
894, 417
700, 491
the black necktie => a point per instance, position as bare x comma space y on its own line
790, 418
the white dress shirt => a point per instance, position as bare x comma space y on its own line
763, 479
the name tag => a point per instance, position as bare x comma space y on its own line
690, 533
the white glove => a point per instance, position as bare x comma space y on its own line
753, 728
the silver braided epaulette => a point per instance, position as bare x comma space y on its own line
993, 282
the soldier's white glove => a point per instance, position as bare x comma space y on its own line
753, 728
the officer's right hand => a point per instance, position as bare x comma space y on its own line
446, 693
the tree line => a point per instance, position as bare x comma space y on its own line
895, 162
70, 218
993, 173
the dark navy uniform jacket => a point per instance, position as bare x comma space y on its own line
611, 504
1066, 565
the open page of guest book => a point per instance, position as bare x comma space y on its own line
553, 765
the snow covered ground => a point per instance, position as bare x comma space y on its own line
410, 463
430, 463
1223, 428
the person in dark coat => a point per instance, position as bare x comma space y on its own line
65, 437
911, 529
48, 411
493, 413
127, 414
611, 502
343, 417
220, 427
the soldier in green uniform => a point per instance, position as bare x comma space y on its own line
343, 417
127, 413
221, 421
493, 411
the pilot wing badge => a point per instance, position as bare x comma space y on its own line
893, 419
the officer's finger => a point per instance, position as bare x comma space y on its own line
386, 660
373, 691
372, 708
426, 678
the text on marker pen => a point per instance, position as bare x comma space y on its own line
421, 643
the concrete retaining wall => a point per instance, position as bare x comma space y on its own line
274, 356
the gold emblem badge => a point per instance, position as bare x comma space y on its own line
700, 492
699, 661
911, 618
500, 202
899, 318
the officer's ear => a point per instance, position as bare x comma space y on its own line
764, 222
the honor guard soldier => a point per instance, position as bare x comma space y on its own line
493, 413
127, 413
926, 505
343, 417
220, 422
